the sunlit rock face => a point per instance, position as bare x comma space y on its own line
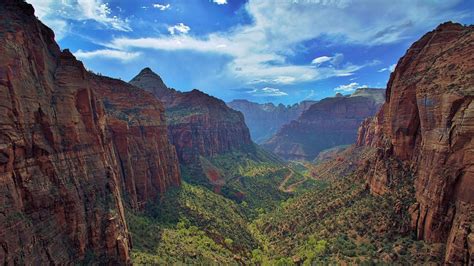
427, 122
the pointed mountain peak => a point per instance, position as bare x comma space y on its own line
150, 81
147, 71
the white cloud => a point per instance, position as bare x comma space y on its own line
320, 60
162, 7
220, 2
56, 14
268, 91
252, 63
180, 27
334, 60
259, 51
42, 7
107, 53
349, 87
311, 95
391, 68
337, 59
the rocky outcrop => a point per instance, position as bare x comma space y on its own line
199, 124
59, 195
66, 161
328, 123
147, 161
152, 82
427, 123
264, 120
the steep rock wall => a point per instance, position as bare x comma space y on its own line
74, 148
427, 122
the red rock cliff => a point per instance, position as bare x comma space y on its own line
328, 123
60, 196
428, 123
66, 162
264, 120
148, 163
199, 124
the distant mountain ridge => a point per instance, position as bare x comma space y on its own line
266, 119
328, 123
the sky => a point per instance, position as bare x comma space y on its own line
280, 51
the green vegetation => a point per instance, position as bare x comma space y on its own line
250, 220
190, 105
190, 219
190, 224
177, 115
339, 220
185, 244
249, 176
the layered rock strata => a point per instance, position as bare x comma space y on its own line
326, 124
427, 123
199, 124
73, 150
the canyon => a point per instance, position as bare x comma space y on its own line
95, 170
264, 120
326, 124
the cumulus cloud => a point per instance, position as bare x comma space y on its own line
162, 7
349, 87
268, 91
56, 14
179, 28
107, 53
220, 2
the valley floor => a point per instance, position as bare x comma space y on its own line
287, 214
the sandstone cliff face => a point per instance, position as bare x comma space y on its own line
199, 124
66, 161
427, 122
264, 120
60, 199
147, 162
328, 123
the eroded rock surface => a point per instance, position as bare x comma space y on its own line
73, 151
264, 120
427, 123
199, 124
328, 123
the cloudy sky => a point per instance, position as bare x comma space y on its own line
263, 50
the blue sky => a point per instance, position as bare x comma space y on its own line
265, 50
